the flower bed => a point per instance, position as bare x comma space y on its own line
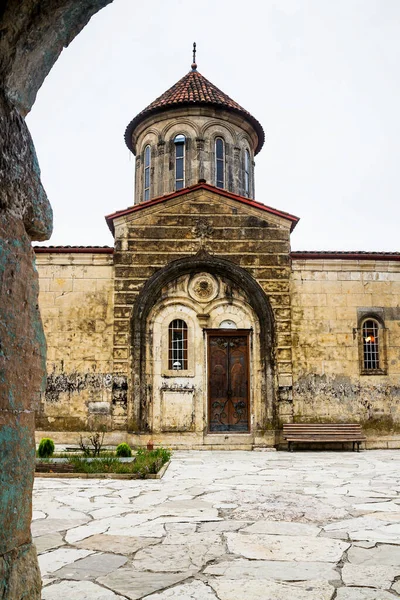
145, 464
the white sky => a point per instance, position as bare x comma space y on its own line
322, 77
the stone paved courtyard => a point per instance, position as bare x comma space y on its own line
227, 526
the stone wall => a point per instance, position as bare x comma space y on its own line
328, 300
76, 303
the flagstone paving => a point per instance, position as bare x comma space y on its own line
226, 526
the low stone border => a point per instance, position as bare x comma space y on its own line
158, 475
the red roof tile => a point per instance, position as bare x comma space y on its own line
73, 249
198, 186
193, 88
344, 255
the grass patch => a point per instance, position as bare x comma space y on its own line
147, 462
79, 454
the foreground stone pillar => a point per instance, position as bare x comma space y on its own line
33, 33
22, 351
25, 214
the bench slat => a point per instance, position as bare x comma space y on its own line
323, 432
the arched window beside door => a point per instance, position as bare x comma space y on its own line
177, 345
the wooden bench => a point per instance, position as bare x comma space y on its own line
323, 432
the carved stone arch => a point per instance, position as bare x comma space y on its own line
220, 125
376, 314
177, 123
188, 302
151, 134
150, 294
148, 140
245, 142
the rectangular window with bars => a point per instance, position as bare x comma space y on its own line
370, 342
177, 346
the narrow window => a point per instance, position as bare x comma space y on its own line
147, 165
247, 173
177, 352
179, 142
370, 343
219, 163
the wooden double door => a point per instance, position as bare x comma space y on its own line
228, 381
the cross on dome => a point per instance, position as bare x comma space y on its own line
194, 64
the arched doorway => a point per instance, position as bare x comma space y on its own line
222, 380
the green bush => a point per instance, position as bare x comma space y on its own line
46, 448
123, 450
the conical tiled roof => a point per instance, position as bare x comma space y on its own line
193, 88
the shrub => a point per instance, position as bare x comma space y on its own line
46, 448
150, 461
96, 440
123, 450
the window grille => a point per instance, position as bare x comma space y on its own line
147, 165
247, 173
177, 351
219, 163
370, 343
179, 142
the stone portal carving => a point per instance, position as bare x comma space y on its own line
203, 287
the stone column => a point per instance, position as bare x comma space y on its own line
22, 355
34, 33
25, 214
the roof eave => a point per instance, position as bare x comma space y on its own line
344, 255
161, 109
206, 186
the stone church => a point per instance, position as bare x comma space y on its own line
200, 328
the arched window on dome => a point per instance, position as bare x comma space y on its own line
179, 142
177, 345
219, 162
147, 173
247, 173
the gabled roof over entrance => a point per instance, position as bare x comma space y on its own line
200, 186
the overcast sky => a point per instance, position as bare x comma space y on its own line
322, 77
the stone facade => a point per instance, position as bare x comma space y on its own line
113, 310
201, 328
218, 228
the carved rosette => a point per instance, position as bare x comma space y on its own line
203, 287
